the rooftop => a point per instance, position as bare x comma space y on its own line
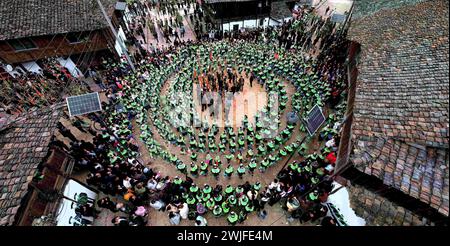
280, 10
401, 108
27, 18
24, 143
368, 7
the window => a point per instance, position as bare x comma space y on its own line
75, 38
22, 44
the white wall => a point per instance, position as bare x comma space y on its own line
66, 212
252, 23
120, 42
71, 66
32, 67
341, 200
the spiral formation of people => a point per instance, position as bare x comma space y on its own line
219, 125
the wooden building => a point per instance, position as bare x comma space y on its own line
232, 15
32, 30
33, 171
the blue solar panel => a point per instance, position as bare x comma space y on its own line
339, 18
83, 104
314, 120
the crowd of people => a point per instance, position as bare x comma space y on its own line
183, 199
27, 89
165, 22
321, 38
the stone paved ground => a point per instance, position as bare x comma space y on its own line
160, 41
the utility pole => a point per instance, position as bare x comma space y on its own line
125, 50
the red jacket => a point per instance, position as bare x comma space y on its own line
331, 157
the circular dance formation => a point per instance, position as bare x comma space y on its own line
218, 112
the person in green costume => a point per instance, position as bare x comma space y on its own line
194, 156
252, 166
257, 186
293, 166
203, 168
243, 200
229, 190
182, 167
177, 180
232, 200
210, 204
193, 189
232, 218
229, 157
228, 171
217, 211
225, 207
194, 169
264, 165
215, 171
241, 170
240, 157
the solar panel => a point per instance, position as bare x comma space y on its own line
314, 120
83, 104
305, 2
339, 18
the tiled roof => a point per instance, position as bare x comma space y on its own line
420, 172
23, 145
367, 7
227, 1
378, 211
280, 10
401, 121
26, 18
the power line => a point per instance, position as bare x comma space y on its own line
113, 30
85, 48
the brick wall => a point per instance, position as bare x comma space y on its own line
379, 211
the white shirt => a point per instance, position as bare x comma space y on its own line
274, 186
202, 220
175, 220
184, 211
151, 185
330, 143
157, 205
336, 126
126, 183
